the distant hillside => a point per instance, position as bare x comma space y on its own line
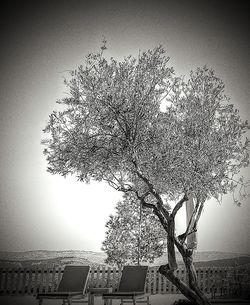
49, 263
45, 254
229, 262
43, 258
46, 258
205, 256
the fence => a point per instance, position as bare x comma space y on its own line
32, 281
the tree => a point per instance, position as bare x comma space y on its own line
134, 234
113, 128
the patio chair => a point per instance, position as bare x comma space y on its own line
131, 287
71, 286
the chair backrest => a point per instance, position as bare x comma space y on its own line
74, 279
133, 279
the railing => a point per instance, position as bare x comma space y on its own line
32, 281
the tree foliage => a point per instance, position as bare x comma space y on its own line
143, 130
134, 235
112, 127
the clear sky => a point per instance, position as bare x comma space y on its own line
39, 43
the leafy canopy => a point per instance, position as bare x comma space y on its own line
134, 234
134, 122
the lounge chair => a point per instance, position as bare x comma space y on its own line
72, 285
131, 287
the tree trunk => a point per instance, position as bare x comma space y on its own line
191, 289
192, 277
171, 246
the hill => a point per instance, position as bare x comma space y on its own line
229, 262
206, 257
42, 258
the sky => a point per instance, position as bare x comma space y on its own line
40, 42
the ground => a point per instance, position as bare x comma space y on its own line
159, 299
166, 299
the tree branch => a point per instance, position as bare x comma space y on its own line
178, 206
155, 209
183, 236
198, 216
153, 192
